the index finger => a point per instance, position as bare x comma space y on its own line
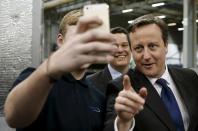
127, 83
95, 35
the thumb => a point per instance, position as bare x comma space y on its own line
85, 66
143, 92
127, 83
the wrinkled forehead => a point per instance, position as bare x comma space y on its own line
151, 29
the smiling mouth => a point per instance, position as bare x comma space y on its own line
147, 65
120, 57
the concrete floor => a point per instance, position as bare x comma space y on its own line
4, 126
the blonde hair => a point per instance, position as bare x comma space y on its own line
70, 18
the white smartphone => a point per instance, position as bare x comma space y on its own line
100, 10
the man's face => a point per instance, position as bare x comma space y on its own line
149, 50
123, 55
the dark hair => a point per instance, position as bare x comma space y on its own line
118, 29
150, 19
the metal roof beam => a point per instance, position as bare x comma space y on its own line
54, 3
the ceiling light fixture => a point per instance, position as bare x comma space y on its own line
172, 24
127, 10
158, 4
180, 29
161, 16
130, 21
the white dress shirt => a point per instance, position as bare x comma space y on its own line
114, 73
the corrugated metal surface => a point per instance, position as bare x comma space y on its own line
15, 42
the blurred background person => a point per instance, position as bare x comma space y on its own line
120, 63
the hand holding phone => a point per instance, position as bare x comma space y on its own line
101, 11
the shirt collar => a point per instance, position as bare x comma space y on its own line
69, 78
165, 76
114, 73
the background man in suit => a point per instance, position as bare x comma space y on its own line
171, 93
120, 63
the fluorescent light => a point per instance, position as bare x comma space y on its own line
158, 4
197, 20
161, 16
130, 21
180, 29
127, 10
172, 24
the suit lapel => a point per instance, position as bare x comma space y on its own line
186, 91
106, 76
102, 79
153, 101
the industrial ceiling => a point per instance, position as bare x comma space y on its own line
172, 10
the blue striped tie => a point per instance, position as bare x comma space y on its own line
170, 102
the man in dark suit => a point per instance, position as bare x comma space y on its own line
118, 66
158, 98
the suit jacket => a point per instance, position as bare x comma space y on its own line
154, 116
100, 80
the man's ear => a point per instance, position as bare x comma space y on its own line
60, 40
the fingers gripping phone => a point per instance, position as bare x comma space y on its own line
100, 10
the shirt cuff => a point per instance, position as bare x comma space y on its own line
116, 127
